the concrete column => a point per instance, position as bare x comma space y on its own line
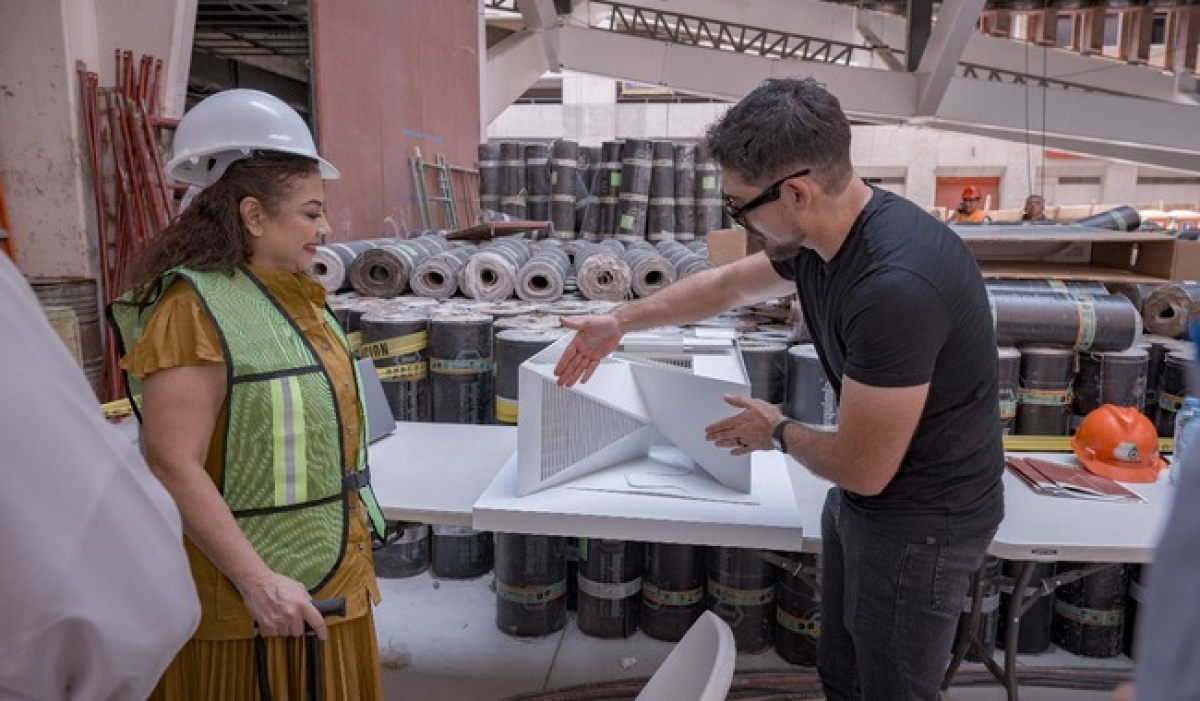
1119, 183
43, 149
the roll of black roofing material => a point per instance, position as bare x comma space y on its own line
741, 590
798, 614
1089, 614
1034, 634
1097, 323
686, 260
564, 166
460, 552
649, 270
398, 342
1119, 219
610, 587
404, 551
766, 368
1071, 289
489, 177
672, 589
660, 214
531, 584
1135, 599
1116, 377
1044, 397
601, 272
710, 210
437, 276
1157, 348
605, 185
384, 271
537, 182
331, 265
634, 195
462, 369
1172, 387
685, 192
543, 278
1167, 309
1010, 380
810, 396
513, 347
491, 274
587, 175
512, 179
1137, 293
989, 610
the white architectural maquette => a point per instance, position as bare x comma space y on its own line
637, 425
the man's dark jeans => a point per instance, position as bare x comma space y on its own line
890, 603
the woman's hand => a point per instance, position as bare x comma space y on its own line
280, 606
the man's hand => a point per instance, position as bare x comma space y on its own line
595, 337
748, 430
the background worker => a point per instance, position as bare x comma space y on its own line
899, 316
968, 211
1035, 211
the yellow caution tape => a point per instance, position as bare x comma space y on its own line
408, 371
117, 409
1060, 444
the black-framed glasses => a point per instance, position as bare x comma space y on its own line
738, 214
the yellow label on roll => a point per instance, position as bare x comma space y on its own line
614, 178
355, 339
626, 222
506, 410
408, 371
708, 182
395, 347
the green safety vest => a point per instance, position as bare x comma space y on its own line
282, 465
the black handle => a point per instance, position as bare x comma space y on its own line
331, 607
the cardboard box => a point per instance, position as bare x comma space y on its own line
1090, 254
728, 245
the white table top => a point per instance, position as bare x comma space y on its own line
1039, 527
772, 521
464, 475
433, 473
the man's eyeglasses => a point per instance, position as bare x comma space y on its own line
738, 214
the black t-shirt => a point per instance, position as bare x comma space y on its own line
901, 304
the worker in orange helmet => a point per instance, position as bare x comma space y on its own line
968, 211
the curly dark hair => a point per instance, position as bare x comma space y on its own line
783, 125
209, 234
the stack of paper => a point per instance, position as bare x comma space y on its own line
1063, 480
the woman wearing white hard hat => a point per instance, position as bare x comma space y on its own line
251, 414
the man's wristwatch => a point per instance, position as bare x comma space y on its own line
777, 440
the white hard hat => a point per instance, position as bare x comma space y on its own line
233, 124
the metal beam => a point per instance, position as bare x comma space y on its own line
540, 18
728, 75
512, 67
1148, 132
955, 26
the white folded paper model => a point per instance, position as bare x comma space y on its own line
645, 408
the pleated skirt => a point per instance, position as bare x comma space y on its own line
225, 670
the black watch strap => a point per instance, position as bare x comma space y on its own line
777, 436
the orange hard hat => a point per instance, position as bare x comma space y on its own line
970, 192
1120, 443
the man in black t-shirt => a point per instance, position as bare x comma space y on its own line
900, 318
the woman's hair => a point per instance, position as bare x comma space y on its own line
209, 234
783, 125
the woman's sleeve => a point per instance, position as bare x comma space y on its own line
179, 332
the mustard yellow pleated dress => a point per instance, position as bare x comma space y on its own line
219, 661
